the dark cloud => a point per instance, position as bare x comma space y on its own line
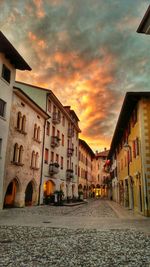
90, 53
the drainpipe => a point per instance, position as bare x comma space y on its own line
42, 154
42, 163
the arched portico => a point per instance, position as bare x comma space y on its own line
31, 195
49, 188
12, 194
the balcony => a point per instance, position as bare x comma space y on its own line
70, 132
55, 141
56, 118
69, 174
70, 152
53, 168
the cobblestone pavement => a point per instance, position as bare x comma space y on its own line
99, 233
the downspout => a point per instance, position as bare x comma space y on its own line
41, 178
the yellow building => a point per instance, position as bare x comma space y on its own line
130, 150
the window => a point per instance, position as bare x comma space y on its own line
23, 123
134, 148
58, 133
6, 73
57, 158
19, 120
76, 169
76, 151
0, 147
46, 155
52, 156
62, 162
62, 140
33, 159
2, 108
53, 131
18, 154
49, 104
35, 131
48, 128
38, 133
63, 120
79, 171
67, 164
37, 160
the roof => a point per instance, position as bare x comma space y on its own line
12, 54
130, 101
102, 154
144, 26
24, 96
54, 98
86, 146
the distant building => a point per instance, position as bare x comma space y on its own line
130, 154
86, 173
10, 60
24, 154
60, 162
144, 26
102, 174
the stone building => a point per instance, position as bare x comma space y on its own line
130, 153
24, 153
10, 61
60, 163
85, 170
102, 175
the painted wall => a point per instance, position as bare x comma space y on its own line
5, 95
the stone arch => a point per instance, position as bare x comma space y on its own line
31, 194
13, 190
49, 187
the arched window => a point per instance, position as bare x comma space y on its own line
19, 121
20, 154
33, 159
23, 123
16, 153
35, 131
38, 133
37, 160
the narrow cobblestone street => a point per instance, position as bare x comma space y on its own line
98, 233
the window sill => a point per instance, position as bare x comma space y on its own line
17, 163
34, 168
21, 131
3, 118
36, 140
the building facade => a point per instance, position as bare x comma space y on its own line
10, 60
85, 170
60, 163
24, 154
102, 174
130, 153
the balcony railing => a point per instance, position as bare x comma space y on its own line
69, 174
70, 132
55, 141
70, 152
56, 118
53, 168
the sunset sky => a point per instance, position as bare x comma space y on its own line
86, 51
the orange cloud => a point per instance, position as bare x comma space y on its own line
39, 8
